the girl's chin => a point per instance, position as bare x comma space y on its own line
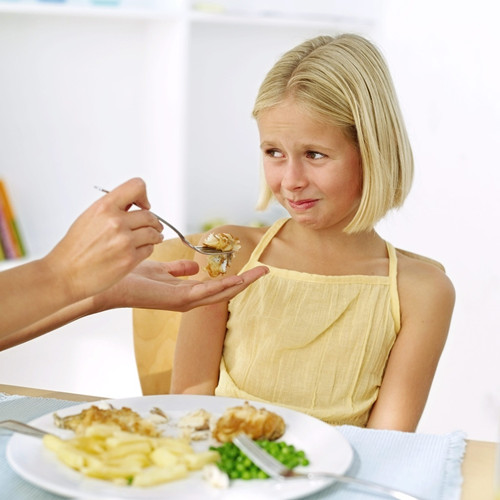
305, 219
311, 221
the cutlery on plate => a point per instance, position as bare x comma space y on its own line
276, 469
22, 428
197, 248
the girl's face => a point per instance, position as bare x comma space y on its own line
311, 167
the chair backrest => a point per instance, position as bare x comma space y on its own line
155, 331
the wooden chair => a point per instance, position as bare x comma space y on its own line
155, 332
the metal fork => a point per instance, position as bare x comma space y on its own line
21, 427
200, 249
276, 469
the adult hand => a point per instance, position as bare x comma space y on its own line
106, 242
156, 285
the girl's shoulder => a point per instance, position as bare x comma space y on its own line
423, 276
415, 258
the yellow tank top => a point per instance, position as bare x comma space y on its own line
313, 343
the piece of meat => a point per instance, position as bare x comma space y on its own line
255, 423
127, 419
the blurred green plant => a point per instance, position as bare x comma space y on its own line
210, 224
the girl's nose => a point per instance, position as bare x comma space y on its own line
294, 176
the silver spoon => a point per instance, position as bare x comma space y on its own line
201, 249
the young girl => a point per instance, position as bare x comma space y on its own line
344, 327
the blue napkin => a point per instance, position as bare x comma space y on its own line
427, 466
11, 407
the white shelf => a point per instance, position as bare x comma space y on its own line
256, 19
116, 12
231, 14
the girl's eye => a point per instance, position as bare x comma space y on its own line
274, 153
314, 155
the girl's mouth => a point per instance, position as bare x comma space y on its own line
301, 205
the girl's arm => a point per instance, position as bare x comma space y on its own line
427, 298
198, 350
202, 331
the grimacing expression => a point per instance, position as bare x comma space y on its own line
312, 168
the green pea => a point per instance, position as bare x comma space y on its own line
238, 466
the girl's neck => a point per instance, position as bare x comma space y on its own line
327, 251
332, 239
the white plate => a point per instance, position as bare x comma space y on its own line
325, 447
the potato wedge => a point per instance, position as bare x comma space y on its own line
108, 453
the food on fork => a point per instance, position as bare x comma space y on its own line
218, 263
255, 423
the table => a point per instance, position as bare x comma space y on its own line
477, 467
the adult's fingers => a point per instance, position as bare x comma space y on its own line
246, 278
131, 192
143, 218
146, 236
182, 267
142, 253
210, 292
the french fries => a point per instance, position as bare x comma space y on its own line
104, 451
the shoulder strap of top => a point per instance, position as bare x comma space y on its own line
265, 240
393, 285
423, 259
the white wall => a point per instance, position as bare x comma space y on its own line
74, 112
93, 356
56, 142
443, 58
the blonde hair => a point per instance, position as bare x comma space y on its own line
345, 82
